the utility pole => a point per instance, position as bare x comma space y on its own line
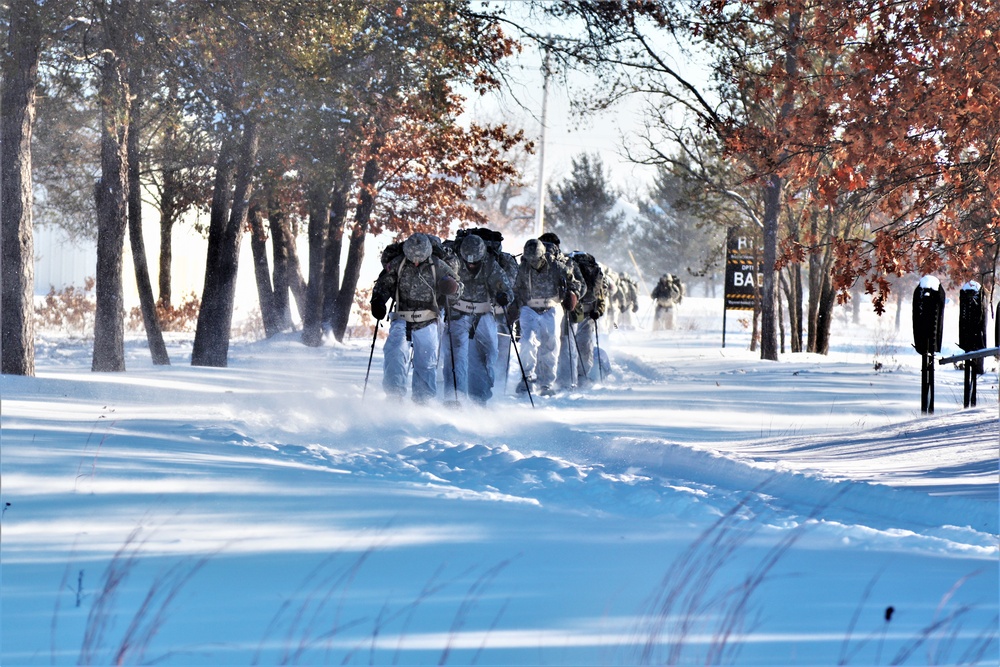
540, 208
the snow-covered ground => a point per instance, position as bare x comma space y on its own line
701, 506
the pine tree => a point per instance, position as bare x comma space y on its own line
581, 209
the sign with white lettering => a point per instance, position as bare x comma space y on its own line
743, 274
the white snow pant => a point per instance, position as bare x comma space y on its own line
503, 363
586, 339
664, 319
540, 344
474, 358
568, 354
396, 359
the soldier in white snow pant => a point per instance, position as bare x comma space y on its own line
540, 344
474, 358
396, 360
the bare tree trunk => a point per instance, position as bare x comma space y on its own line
824, 319
112, 209
168, 218
781, 313
211, 340
773, 188
334, 247
265, 293
793, 291
20, 77
279, 250
166, 260
147, 303
319, 221
768, 314
284, 246
356, 247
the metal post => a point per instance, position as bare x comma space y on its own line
540, 209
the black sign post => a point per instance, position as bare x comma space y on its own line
743, 274
928, 331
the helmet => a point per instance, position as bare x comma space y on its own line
534, 251
472, 250
549, 237
417, 248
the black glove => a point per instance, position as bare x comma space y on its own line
635, 307
447, 286
502, 299
378, 310
594, 314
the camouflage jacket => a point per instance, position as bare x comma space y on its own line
547, 285
484, 285
413, 288
668, 292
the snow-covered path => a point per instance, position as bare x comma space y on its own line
698, 505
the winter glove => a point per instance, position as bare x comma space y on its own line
569, 303
448, 286
635, 307
378, 310
594, 314
599, 309
502, 299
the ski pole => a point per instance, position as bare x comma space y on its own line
370, 356
451, 345
576, 344
597, 339
524, 376
510, 339
506, 368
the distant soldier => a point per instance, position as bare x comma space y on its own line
569, 352
628, 301
587, 313
544, 281
669, 292
612, 313
472, 326
414, 280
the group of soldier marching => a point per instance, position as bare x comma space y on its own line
466, 302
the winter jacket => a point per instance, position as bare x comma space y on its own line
483, 286
414, 289
545, 287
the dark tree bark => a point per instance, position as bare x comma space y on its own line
773, 188
824, 319
768, 319
112, 210
169, 213
319, 221
20, 77
147, 303
334, 248
218, 217
356, 247
284, 244
279, 249
821, 304
211, 338
265, 293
